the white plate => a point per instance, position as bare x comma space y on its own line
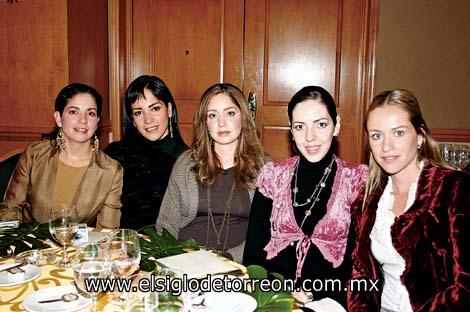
7, 279
325, 305
31, 302
246, 304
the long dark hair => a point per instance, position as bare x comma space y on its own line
160, 90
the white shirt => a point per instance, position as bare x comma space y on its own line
394, 296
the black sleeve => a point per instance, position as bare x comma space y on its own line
116, 151
111, 150
259, 230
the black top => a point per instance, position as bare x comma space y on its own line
147, 167
315, 265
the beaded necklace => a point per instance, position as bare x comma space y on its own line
312, 199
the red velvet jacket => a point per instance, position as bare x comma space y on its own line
430, 236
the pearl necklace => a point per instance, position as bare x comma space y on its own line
313, 199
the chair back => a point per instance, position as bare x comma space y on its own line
7, 167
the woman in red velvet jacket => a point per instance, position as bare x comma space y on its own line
414, 222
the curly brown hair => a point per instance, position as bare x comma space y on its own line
249, 157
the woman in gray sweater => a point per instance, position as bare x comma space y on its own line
211, 185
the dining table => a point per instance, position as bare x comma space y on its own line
51, 275
12, 297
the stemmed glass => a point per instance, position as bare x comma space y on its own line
446, 151
63, 224
124, 252
461, 155
92, 263
456, 155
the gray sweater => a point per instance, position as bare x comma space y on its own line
180, 203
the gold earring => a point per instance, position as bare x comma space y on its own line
60, 140
96, 143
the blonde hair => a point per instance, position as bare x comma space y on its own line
429, 150
249, 153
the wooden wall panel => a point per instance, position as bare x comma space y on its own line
186, 131
271, 138
191, 45
451, 134
88, 51
291, 44
233, 37
33, 68
141, 30
271, 47
300, 48
187, 45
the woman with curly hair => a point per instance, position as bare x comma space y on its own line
211, 186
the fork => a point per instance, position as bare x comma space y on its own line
18, 265
200, 305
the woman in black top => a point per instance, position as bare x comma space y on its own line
300, 214
151, 144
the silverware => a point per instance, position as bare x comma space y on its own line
13, 266
65, 298
200, 305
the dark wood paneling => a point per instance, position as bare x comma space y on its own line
88, 50
141, 31
451, 135
271, 138
300, 47
291, 44
33, 66
186, 131
190, 45
233, 42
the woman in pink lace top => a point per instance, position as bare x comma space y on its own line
300, 215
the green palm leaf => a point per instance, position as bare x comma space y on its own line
25, 237
160, 245
269, 300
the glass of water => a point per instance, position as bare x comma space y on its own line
91, 264
124, 253
63, 224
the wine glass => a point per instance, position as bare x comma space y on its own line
124, 253
91, 263
63, 224
445, 151
461, 155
